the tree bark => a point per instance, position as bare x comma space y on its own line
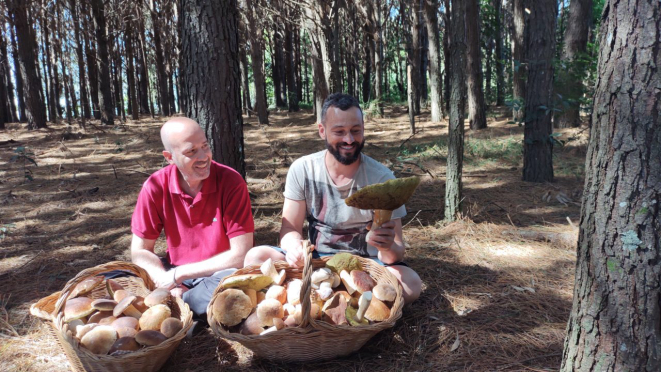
245, 81
446, 55
254, 18
367, 71
476, 109
519, 62
34, 103
130, 73
435, 78
458, 42
614, 322
414, 52
576, 41
11, 113
277, 69
500, 58
90, 57
22, 117
82, 86
209, 37
537, 140
290, 64
143, 72
105, 95
164, 101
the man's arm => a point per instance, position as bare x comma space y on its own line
291, 231
232, 258
388, 240
142, 254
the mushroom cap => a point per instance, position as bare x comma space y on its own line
171, 326
120, 294
335, 310
267, 310
253, 296
107, 320
158, 296
315, 311
100, 339
112, 286
122, 305
231, 306
343, 261
86, 286
388, 195
278, 292
77, 308
104, 304
125, 344
154, 316
251, 326
384, 292
294, 291
362, 280
96, 317
81, 330
149, 337
245, 281
126, 321
378, 311
74, 324
126, 331
139, 304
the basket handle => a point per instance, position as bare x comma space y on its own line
306, 287
100, 269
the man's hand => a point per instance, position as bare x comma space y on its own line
382, 238
296, 255
165, 279
178, 291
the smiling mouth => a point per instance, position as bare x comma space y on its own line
202, 166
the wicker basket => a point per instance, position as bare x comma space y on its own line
313, 340
147, 359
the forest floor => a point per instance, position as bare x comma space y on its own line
497, 284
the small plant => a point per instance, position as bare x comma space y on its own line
118, 146
24, 157
4, 230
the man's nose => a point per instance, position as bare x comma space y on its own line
348, 138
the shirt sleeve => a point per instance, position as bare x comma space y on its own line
295, 183
237, 212
147, 221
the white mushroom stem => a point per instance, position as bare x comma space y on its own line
336, 280
348, 282
363, 303
325, 290
381, 216
320, 275
268, 269
280, 278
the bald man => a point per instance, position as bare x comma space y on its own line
204, 208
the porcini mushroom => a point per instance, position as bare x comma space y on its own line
377, 311
149, 337
343, 261
245, 281
103, 304
252, 294
154, 316
125, 307
100, 339
325, 290
124, 344
77, 308
278, 324
86, 286
335, 310
251, 326
171, 326
231, 306
157, 297
320, 275
383, 198
269, 308
356, 316
268, 268
126, 321
294, 291
348, 282
384, 292
278, 292
362, 281
112, 286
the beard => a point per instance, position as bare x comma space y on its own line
346, 160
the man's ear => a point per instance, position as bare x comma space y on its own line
168, 156
322, 131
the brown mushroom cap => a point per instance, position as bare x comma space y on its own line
100, 339
378, 311
245, 281
154, 316
112, 286
149, 337
231, 306
362, 280
86, 286
126, 321
343, 261
103, 304
171, 326
388, 195
157, 297
74, 324
125, 307
120, 294
97, 316
77, 308
384, 292
267, 310
294, 291
334, 310
81, 330
107, 320
126, 331
278, 292
125, 344
139, 304
251, 326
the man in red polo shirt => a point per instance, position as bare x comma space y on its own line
204, 208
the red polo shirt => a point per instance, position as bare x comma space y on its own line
195, 228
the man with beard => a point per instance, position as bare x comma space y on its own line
315, 190
204, 208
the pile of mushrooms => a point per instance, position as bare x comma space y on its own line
121, 322
341, 293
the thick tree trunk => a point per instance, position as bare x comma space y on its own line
519, 61
144, 98
537, 140
424, 62
614, 322
105, 95
253, 14
290, 64
34, 103
130, 74
49, 63
446, 55
209, 35
22, 117
92, 67
82, 86
435, 78
458, 42
277, 69
500, 65
10, 113
162, 78
5, 113
576, 41
414, 52
476, 110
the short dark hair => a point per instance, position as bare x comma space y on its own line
340, 100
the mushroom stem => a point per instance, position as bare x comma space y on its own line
381, 216
363, 303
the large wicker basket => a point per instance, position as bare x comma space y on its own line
147, 359
313, 340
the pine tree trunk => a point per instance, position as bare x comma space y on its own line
458, 42
614, 322
424, 63
10, 113
500, 66
476, 110
576, 41
130, 74
446, 55
277, 70
105, 96
414, 52
48, 61
160, 65
537, 140
367, 73
82, 86
378, 57
143, 73
245, 82
20, 95
92, 67
435, 77
290, 64
253, 14
519, 61
209, 35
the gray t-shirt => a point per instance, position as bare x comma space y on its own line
333, 225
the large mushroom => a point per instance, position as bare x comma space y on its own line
383, 198
231, 307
